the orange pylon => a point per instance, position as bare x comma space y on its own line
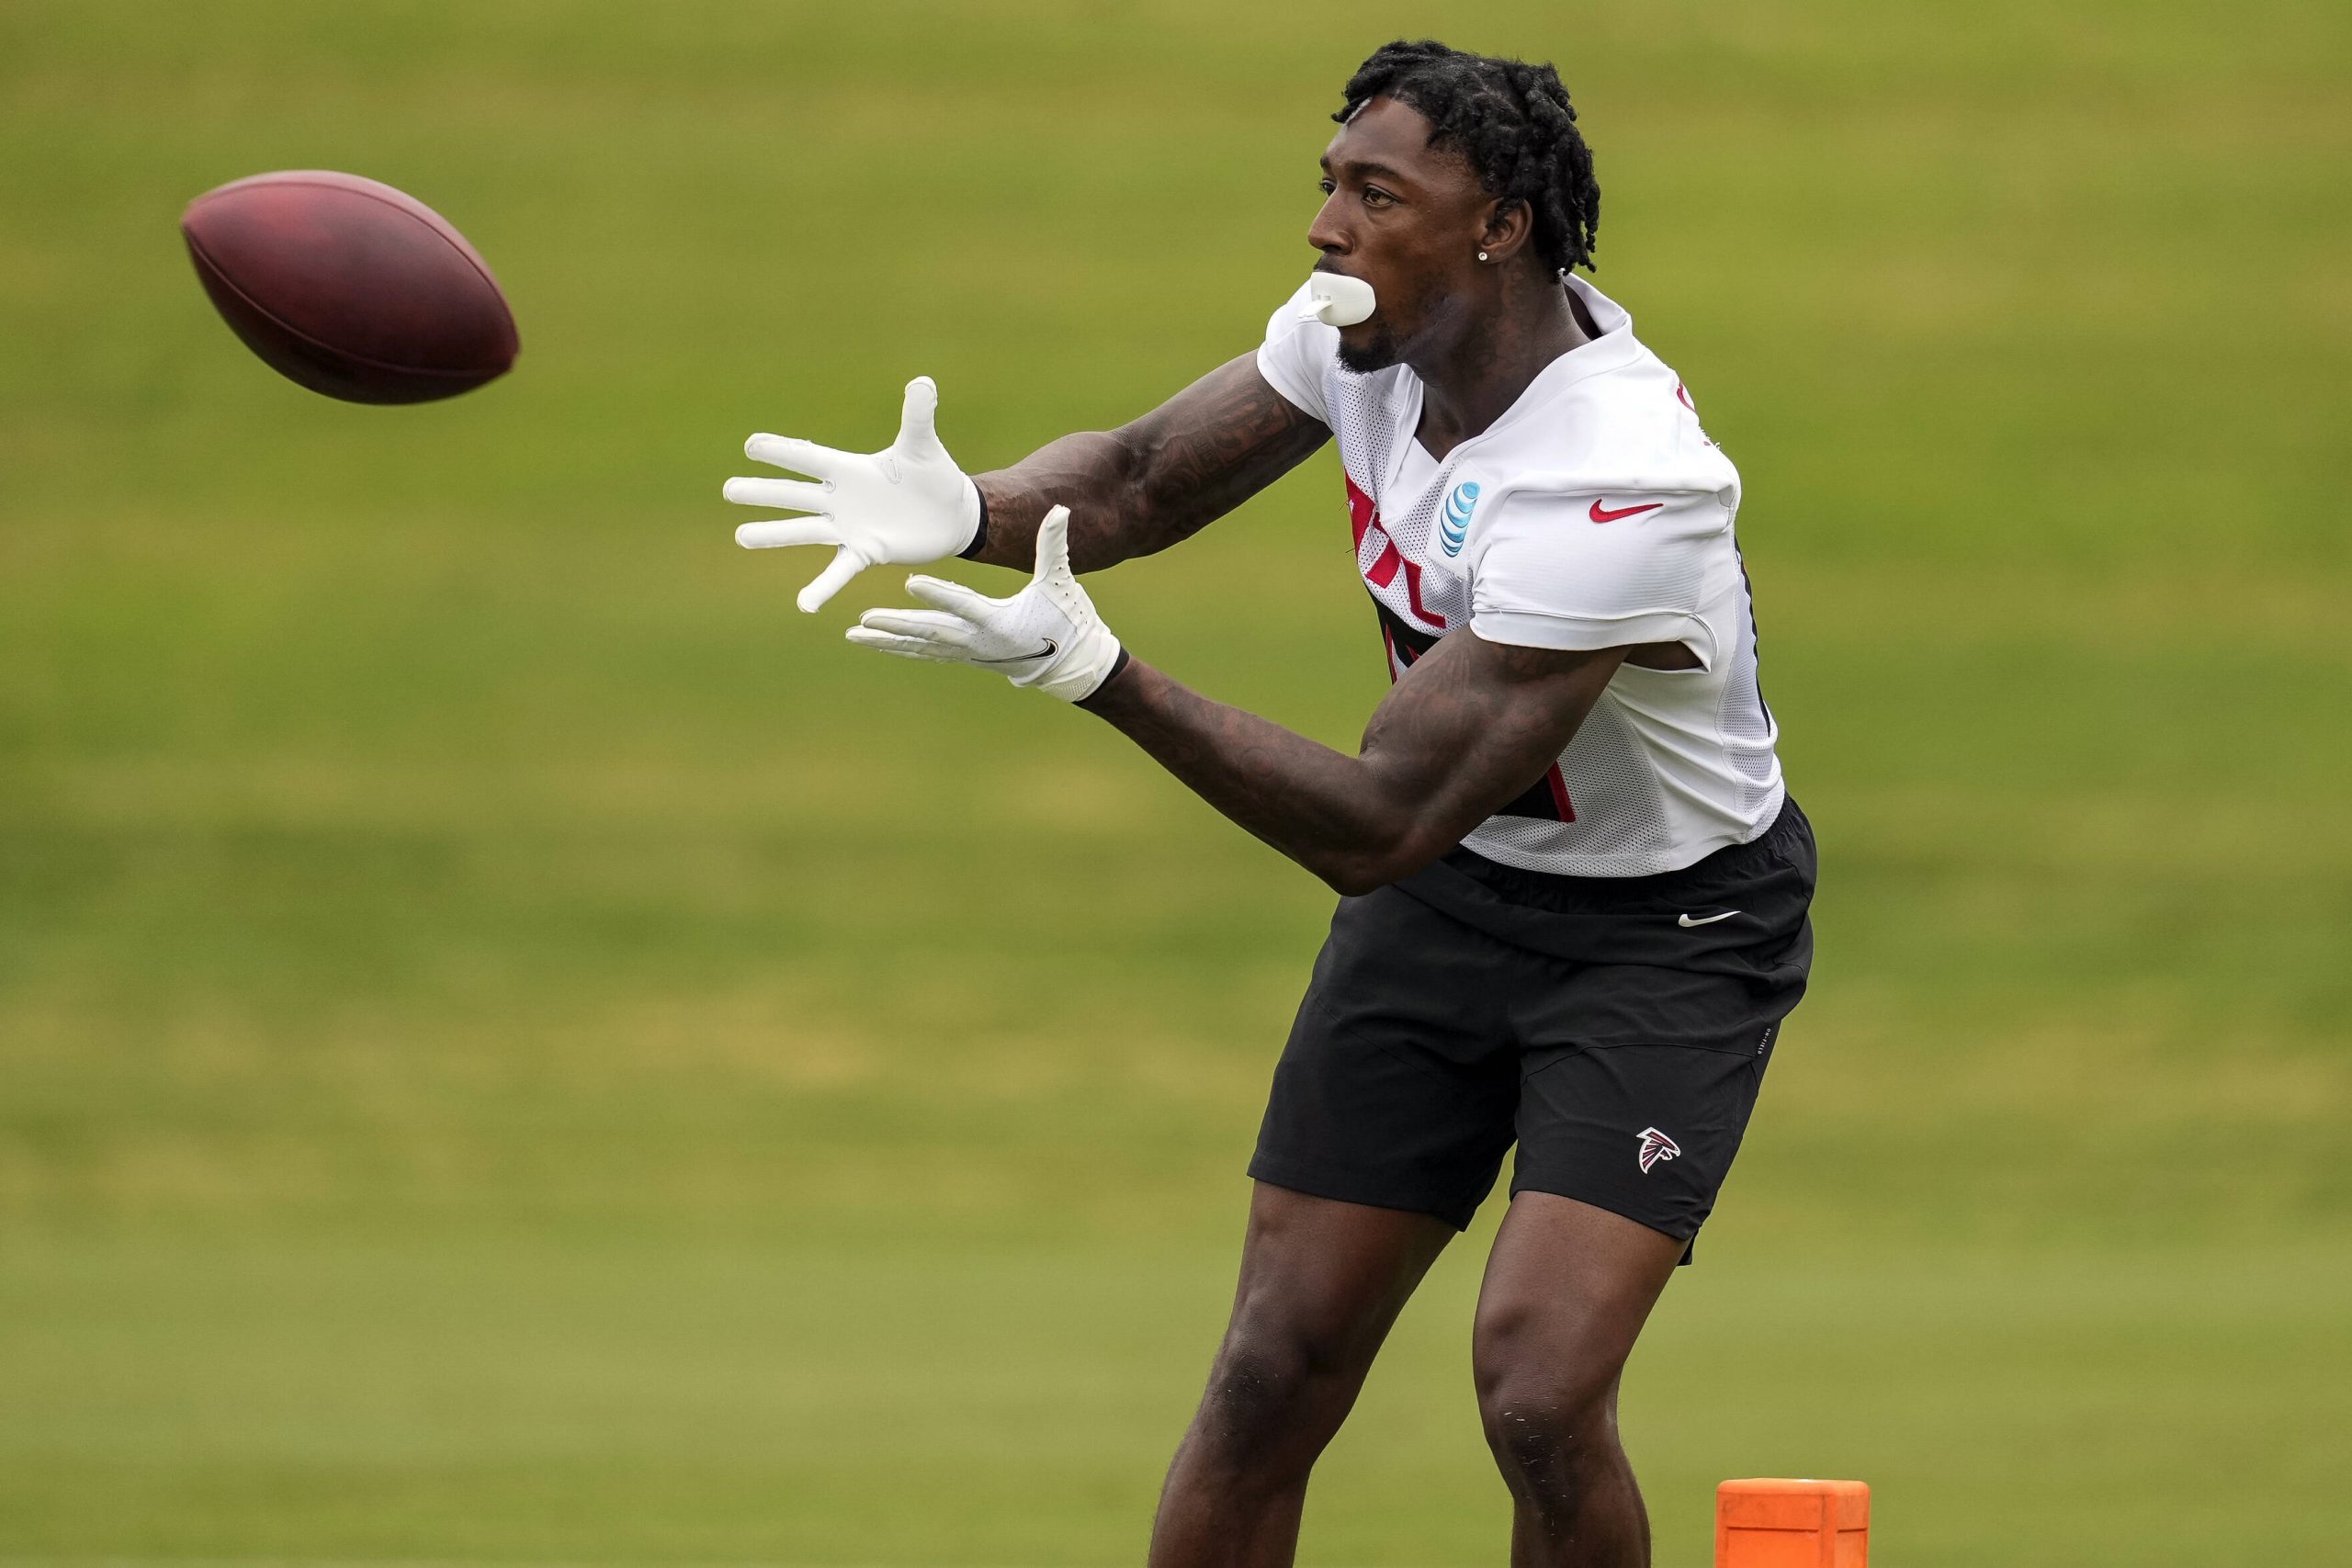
1792, 1524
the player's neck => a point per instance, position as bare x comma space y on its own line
1473, 380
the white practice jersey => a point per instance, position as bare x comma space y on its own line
1594, 514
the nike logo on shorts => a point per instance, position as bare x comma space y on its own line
1686, 922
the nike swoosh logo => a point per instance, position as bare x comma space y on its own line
1686, 922
1047, 651
1600, 513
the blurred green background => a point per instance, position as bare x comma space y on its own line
517, 1047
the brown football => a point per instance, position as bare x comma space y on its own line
350, 288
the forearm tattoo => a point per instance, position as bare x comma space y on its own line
1153, 483
1472, 724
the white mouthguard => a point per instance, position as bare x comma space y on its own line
1338, 302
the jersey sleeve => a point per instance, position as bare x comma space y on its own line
1545, 573
1298, 351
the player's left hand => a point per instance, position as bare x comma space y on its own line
1046, 636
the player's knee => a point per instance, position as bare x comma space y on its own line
1270, 1396
1555, 1441
1547, 1409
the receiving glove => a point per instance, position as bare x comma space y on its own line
907, 503
1046, 636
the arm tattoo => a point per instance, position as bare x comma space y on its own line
1151, 484
1470, 725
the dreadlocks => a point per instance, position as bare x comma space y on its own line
1511, 121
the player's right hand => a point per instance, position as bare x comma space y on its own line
906, 504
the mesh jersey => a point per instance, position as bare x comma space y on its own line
1594, 514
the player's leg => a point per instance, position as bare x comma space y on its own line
1567, 1289
1623, 1150
1321, 1282
1641, 1068
1391, 1111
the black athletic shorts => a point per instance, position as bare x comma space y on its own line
1617, 1028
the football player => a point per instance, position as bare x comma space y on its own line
1574, 889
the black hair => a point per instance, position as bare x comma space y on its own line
1510, 120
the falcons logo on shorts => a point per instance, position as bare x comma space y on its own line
1656, 1146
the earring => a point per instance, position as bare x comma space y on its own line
1482, 255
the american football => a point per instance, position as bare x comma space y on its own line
350, 288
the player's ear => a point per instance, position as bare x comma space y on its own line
1508, 224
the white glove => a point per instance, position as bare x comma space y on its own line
1046, 636
908, 503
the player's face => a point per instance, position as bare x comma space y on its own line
1405, 217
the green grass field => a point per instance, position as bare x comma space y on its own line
517, 1047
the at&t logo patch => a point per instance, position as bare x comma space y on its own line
1453, 524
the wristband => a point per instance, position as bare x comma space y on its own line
981, 535
1118, 668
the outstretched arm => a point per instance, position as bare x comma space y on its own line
1471, 724
1155, 481
1135, 490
